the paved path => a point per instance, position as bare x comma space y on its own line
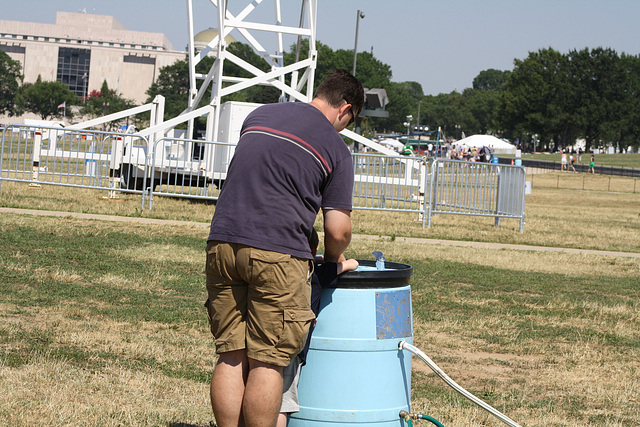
493, 246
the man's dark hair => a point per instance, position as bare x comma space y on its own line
340, 86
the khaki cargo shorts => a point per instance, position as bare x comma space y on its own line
258, 300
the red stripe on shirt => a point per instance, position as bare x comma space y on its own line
294, 137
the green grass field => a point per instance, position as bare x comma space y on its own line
102, 322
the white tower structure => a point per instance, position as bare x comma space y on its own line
295, 81
165, 158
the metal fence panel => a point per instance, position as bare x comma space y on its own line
188, 168
393, 183
481, 189
197, 169
79, 158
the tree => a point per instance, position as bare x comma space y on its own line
449, 113
103, 102
626, 127
598, 98
173, 84
536, 95
10, 80
483, 101
481, 108
589, 93
43, 98
403, 101
491, 79
371, 72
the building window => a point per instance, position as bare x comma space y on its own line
12, 48
73, 69
139, 59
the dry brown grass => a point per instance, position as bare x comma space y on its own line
49, 391
585, 375
557, 218
588, 374
55, 393
525, 261
569, 380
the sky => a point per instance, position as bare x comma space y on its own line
441, 44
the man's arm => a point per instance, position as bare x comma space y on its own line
337, 233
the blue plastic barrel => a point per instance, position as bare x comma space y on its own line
355, 373
494, 159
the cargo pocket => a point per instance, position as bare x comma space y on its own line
207, 305
212, 269
269, 271
295, 330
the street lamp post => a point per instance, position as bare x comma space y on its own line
84, 80
355, 47
359, 15
84, 87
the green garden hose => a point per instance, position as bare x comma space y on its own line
408, 418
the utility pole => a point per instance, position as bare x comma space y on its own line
355, 47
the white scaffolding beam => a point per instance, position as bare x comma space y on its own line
254, 34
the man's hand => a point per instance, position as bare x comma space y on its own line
347, 265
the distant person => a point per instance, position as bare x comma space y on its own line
579, 155
451, 152
563, 161
324, 275
475, 157
592, 165
485, 154
572, 160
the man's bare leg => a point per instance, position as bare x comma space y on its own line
262, 394
228, 387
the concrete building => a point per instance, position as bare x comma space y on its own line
83, 50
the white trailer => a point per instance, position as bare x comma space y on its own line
189, 161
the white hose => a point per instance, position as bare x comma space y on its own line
403, 345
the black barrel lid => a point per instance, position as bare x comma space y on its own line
394, 275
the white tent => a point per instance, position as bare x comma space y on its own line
394, 143
499, 146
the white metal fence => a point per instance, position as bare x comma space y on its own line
57, 156
120, 162
188, 168
390, 183
480, 189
